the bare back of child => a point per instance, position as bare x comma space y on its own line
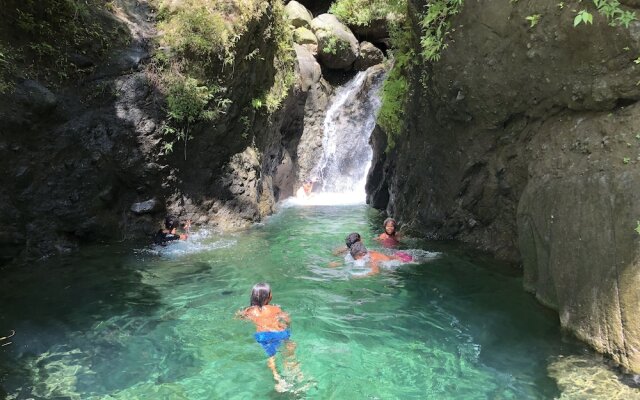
272, 331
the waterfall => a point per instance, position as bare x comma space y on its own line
348, 124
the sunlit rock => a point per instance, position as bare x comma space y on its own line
337, 46
298, 14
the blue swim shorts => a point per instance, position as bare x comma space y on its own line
270, 341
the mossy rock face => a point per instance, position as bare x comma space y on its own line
304, 36
337, 46
298, 15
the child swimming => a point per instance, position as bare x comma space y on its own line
169, 234
348, 241
359, 251
389, 238
272, 327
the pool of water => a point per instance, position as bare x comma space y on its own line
118, 323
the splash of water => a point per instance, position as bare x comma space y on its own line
348, 125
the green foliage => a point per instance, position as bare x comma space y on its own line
39, 35
332, 44
638, 227
196, 31
406, 42
533, 19
6, 69
391, 114
257, 103
361, 12
284, 59
611, 10
189, 102
396, 85
435, 26
198, 50
626, 160
583, 17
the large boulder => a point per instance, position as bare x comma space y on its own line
368, 56
298, 15
337, 46
306, 38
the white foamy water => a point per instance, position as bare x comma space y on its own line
342, 169
326, 199
197, 242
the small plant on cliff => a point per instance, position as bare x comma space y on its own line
188, 102
611, 10
331, 45
638, 227
410, 47
583, 17
435, 26
533, 20
284, 58
396, 85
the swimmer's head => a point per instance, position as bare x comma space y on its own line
358, 250
390, 226
351, 239
171, 222
260, 294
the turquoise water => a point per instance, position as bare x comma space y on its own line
117, 323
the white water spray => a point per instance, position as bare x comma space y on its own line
346, 157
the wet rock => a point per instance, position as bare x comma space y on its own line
581, 377
145, 207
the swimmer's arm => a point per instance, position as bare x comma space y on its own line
242, 314
334, 264
375, 269
340, 251
284, 317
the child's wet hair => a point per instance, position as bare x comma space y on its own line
351, 239
390, 220
357, 249
260, 294
170, 222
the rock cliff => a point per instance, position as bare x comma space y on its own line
525, 143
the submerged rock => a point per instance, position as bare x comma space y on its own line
585, 378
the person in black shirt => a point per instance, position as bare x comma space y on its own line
169, 233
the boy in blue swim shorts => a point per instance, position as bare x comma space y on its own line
272, 326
